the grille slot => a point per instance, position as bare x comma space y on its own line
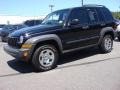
13, 41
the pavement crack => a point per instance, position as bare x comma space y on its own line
88, 63
13, 74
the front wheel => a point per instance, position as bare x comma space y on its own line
106, 44
45, 58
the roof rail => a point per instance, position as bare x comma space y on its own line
93, 5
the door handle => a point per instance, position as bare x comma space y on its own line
85, 27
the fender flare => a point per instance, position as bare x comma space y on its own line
105, 30
37, 39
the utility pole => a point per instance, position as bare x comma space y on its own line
81, 2
51, 7
8, 22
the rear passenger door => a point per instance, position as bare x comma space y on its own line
95, 22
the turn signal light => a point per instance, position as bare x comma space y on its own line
26, 46
25, 54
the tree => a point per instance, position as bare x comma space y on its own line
116, 15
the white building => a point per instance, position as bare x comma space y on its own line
5, 19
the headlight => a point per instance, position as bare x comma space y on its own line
21, 39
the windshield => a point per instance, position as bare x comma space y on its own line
57, 17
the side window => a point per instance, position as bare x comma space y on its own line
100, 15
79, 15
108, 16
92, 15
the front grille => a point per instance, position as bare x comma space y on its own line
13, 41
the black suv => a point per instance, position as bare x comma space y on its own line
63, 31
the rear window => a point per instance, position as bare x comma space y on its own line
9, 27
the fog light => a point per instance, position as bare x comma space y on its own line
25, 54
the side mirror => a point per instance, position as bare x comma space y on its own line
74, 22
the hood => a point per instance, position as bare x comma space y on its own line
34, 30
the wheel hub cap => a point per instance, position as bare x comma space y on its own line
46, 57
108, 43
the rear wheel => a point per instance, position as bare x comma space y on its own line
45, 58
106, 44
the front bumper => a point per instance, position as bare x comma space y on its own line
18, 53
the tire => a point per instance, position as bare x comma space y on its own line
106, 44
45, 58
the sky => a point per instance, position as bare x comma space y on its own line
41, 7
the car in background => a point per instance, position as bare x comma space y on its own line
7, 29
1, 27
32, 22
118, 28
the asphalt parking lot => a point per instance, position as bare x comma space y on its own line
81, 70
